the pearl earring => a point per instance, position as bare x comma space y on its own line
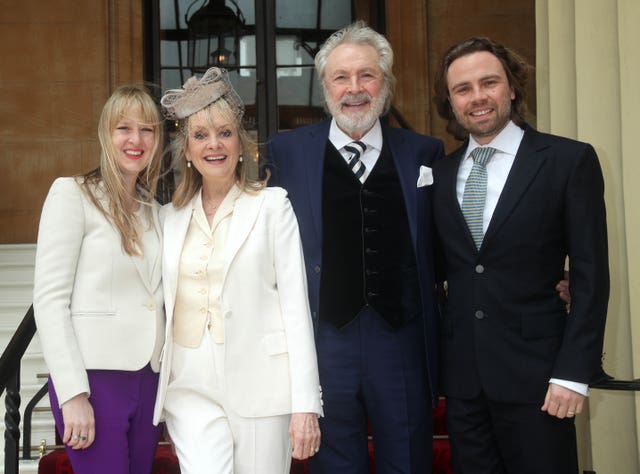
188, 164
240, 158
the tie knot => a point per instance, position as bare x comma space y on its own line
356, 148
482, 154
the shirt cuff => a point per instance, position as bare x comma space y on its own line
581, 388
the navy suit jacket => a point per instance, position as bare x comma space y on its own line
505, 330
296, 161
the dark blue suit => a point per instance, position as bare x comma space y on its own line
505, 330
296, 160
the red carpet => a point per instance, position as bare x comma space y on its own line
165, 462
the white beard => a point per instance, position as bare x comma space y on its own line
359, 123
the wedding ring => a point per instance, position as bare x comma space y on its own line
74, 438
570, 413
316, 449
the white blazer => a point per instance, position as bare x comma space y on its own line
95, 306
270, 359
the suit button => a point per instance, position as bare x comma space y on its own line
479, 314
479, 269
317, 269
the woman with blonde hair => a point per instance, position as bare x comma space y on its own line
239, 386
98, 297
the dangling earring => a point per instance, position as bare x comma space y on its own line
240, 159
188, 163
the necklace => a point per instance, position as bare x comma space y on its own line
209, 207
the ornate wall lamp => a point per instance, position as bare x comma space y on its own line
214, 32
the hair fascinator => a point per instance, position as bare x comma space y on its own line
196, 94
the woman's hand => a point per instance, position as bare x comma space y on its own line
79, 422
304, 433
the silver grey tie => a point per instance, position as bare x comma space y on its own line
475, 193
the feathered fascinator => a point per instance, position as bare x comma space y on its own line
196, 94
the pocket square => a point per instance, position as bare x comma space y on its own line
426, 177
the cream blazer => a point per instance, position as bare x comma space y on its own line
270, 359
95, 306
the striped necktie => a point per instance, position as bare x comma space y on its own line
475, 193
355, 163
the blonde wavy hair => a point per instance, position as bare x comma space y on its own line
106, 181
191, 178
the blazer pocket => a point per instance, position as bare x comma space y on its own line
275, 343
543, 325
93, 314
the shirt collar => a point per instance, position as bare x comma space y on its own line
507, 141
225, 208
373, 138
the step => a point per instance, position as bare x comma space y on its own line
16, 291
32, 362
12, 312
7, 332
18, 253
16, 271
28, 467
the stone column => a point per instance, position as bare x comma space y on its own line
588, 71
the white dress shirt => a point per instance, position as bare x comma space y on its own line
498, 167
372, 139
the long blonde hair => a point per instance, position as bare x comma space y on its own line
106, 181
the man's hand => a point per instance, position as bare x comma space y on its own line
562, 402
563, 290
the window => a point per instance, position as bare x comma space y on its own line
269, 54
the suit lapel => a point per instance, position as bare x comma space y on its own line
245, 213
143, 273
156, 273
408, 169
149, 275
525, 167
314, 166
450, 178
175, 229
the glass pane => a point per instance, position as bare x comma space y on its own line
169, 53
335, 14
247, 8
297, 13
299, 94
174, 66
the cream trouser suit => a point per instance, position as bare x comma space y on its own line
235, 304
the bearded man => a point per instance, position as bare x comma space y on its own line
511, 205
361, 192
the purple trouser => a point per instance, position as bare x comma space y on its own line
126, 438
